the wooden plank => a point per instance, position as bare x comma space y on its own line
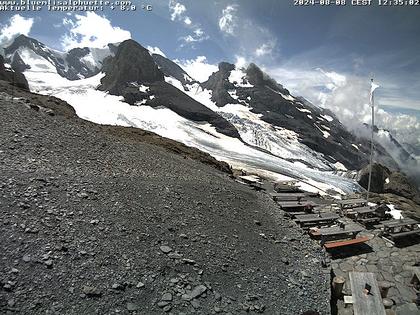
336, 244
364, 304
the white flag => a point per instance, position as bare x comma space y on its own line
373, 87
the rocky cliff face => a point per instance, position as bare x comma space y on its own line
132, 63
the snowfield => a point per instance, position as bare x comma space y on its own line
285, 157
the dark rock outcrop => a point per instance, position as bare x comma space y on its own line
18, 64
2, 67
379, 175
400, 185
132, 63
219, 84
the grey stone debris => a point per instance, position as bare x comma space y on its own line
167, 297
198, 290
165, 249
132, 307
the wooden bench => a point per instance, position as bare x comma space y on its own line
335, 244
403, 234
293, 214
369, 221
366, 303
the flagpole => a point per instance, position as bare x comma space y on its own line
372, 104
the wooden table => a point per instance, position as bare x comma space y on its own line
288, 196
336, 232
351, 203
392, 224
314, 218
406, 227
364, 304
365, 215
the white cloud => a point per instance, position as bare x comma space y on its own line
197, 36
228, 20
187, 20
198, 68
266, 48
155, 50
177, 10
240, 61
91, 30
16, 25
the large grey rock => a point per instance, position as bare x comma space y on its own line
379, 175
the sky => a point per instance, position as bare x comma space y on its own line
326, 54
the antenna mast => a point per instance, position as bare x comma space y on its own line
372, 104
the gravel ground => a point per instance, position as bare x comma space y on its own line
98, 222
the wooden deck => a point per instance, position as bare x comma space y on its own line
364, 304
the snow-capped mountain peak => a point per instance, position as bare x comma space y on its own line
26, 53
